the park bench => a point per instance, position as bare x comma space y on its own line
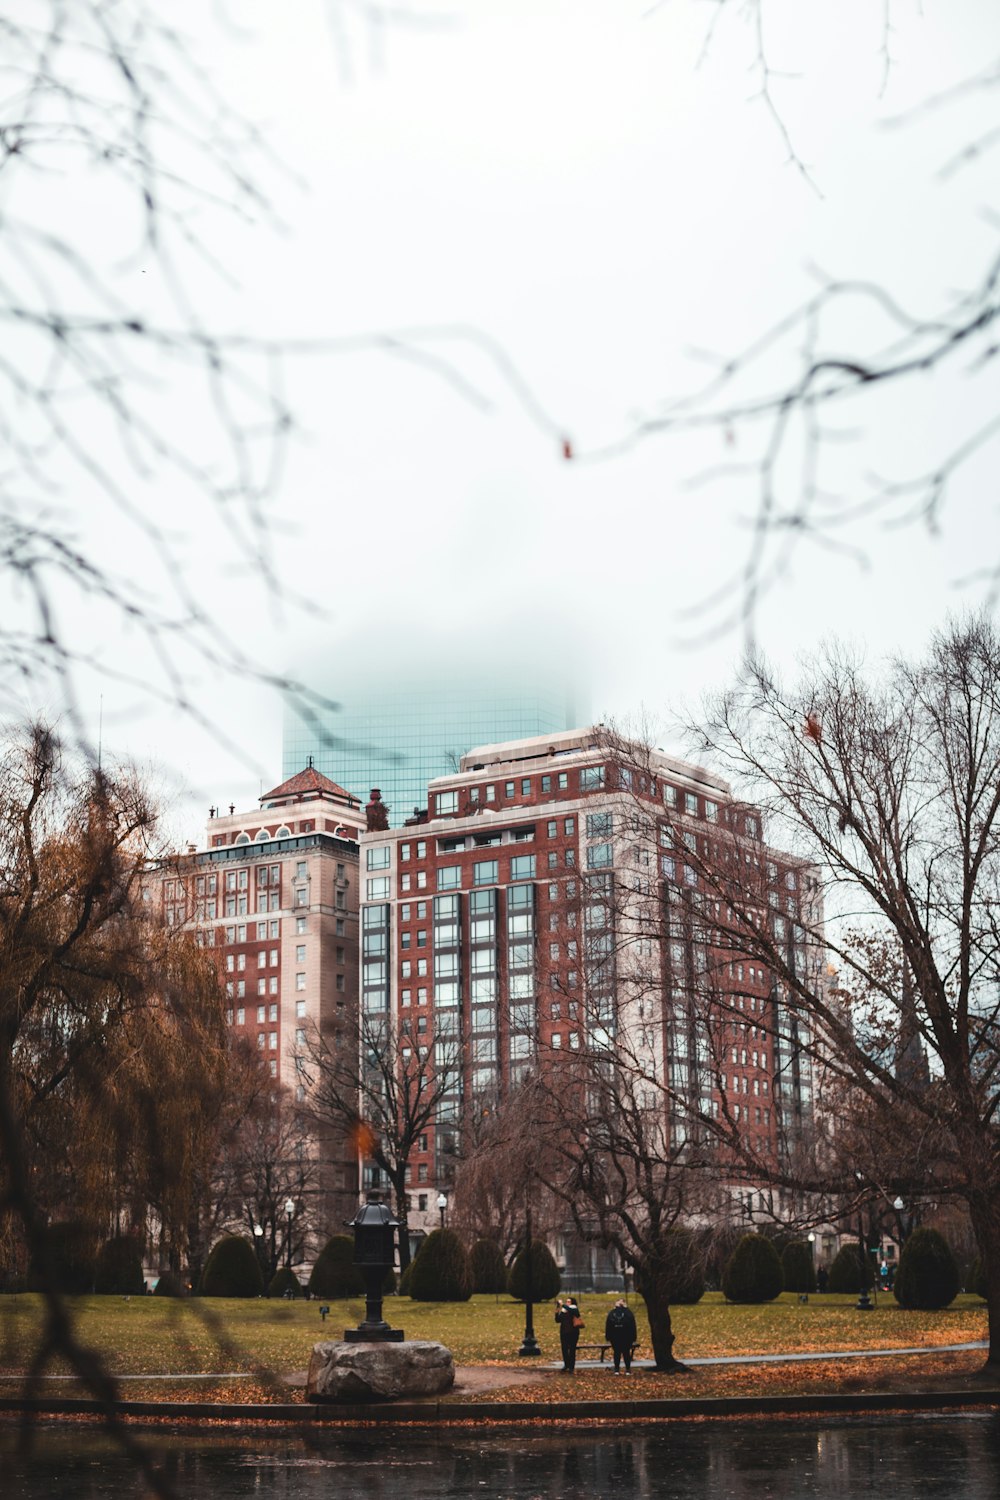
604, 1349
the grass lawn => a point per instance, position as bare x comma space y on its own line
150, 1335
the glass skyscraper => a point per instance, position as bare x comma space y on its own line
401, 723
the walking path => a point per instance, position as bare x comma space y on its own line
592, 1364
783, 1359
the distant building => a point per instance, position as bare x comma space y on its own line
275, 894
412, 707
547, 878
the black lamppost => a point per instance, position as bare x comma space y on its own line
442, 1204
374, 1251
289, 1215
864, 1302
529, 1345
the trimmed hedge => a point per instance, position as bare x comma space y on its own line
753, 1272
119, 1268
489, 1270
928, 1276
232, 1270
797, 1266
335, 1274
685, 1282
71, 1260
845, 1272
171, 1285
441, 1272
545, 1278
284, 1281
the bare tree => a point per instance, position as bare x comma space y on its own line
387, 1088
889, 784
270, 1162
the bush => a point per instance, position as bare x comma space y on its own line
797, 1266
284, 1281
119, 1268
845, 1273
71, 1260
232, 1270
545, 1278
753, 1272
335, 1274
976, 1282
685, 1282
441, 1272
489, 1272
927, 1276
171, 1285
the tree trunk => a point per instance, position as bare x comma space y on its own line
654, 1285
403, 1233
985, 1215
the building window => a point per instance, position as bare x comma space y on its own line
508, 789
525, 786
449, 877
300, 981
599, 856
569, 826
591, 778
447, 802
600, 825
669, 795
691, 804
302, 897
491, 793
546, 783
340, 981
485, 872
711, 811
300, 953
375, 859
377, 890
522, 867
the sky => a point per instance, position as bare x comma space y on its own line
494, 227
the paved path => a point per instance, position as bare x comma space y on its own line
788, 1359
590, 1364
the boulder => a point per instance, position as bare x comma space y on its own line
379, 1372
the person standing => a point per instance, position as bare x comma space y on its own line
570, 1326
621, 1333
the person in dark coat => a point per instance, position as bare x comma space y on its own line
621, 1333
570, 1326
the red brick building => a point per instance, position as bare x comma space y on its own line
549, 886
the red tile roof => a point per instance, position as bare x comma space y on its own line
309, 780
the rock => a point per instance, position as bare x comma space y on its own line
379, 1372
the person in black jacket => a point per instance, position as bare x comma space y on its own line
570, 1325
620, 1332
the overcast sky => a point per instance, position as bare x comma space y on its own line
591, 187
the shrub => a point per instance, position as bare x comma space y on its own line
232, 1270
753, 1272
845, 1273
335, 1274
284, 1281
71, 1260
171, 1285
441, 1272
686, 1277
489, 1272
976, 1282
545, 1278
119, 1268
797, 1267
927, 1276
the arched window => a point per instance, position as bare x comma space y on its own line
262, 835
242, 838
283, 832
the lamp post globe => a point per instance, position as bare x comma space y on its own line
289, 1215
442, 1203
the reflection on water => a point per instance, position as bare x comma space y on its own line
939, 1458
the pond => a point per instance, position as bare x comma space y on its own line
935, 1457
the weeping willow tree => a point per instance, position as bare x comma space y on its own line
115, 1075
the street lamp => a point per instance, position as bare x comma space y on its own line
529, 1344
442, 1204
289, 1215
864, 1302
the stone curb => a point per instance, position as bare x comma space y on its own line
443, 1413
